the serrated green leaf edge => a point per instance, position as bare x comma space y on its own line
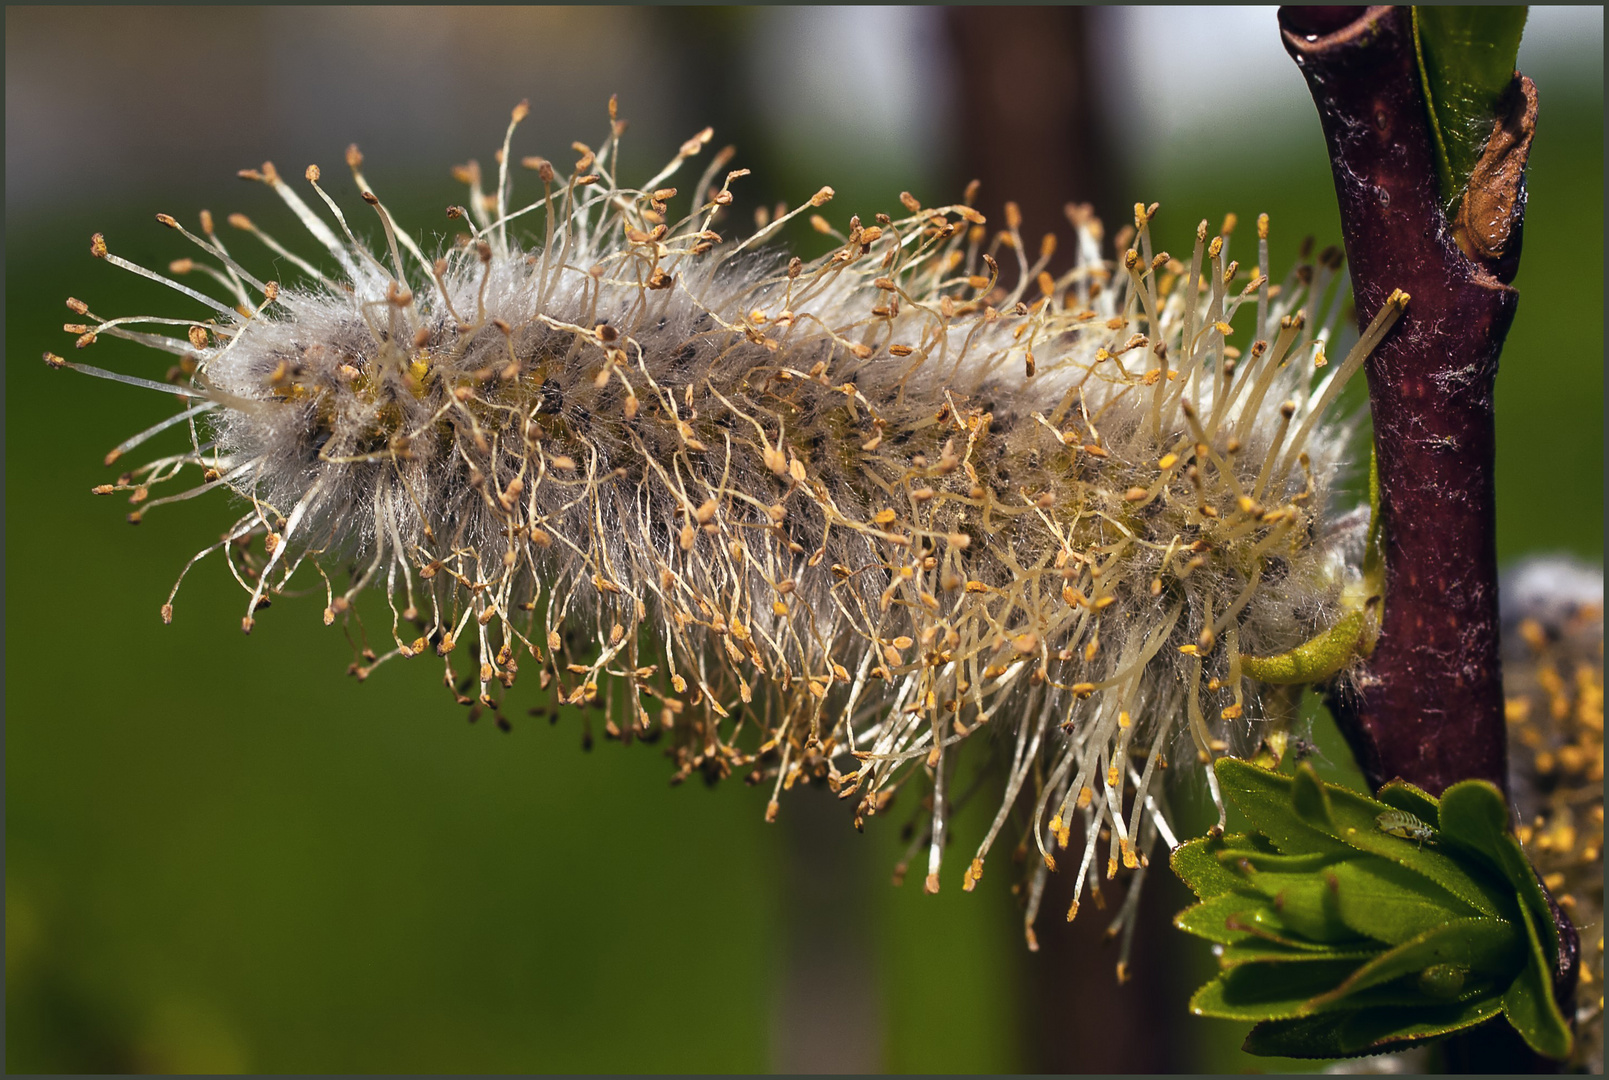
1528, 1002
1261, 861
1230, 918
1351, 1034
1196, 863
1253, 951
1401, 795
1262, 924
1268, 991
1477, 818
1265, 798
1263, 990
1309, 800
1485, 946
1210, 918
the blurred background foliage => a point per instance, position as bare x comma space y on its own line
225, 855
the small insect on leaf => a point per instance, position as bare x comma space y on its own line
1403, 824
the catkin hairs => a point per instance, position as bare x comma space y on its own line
816, 520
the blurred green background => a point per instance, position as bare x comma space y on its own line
225, 855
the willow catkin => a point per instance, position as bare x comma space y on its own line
813, 520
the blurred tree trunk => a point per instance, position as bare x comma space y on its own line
1034, 132
1079, 1018
1033, 125
826, 1017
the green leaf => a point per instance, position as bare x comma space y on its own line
1390, 903
1490, 948
1312, 806
1365, 1031
1308, 904
1251, 951
1230, 918
1265, 798
1279, 864
1270, 925
1466, 62
1355, 818
1401, 795
1474, 815
1273, 990
1268, 801
1297, 905
1268, 991
1210, 918
1528, 1002
1200, 866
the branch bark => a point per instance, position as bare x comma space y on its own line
1428, 706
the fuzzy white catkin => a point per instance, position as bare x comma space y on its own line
812, 520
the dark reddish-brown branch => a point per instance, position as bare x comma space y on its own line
1429, 704
1430, 708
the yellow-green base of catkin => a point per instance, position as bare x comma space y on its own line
817, 521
